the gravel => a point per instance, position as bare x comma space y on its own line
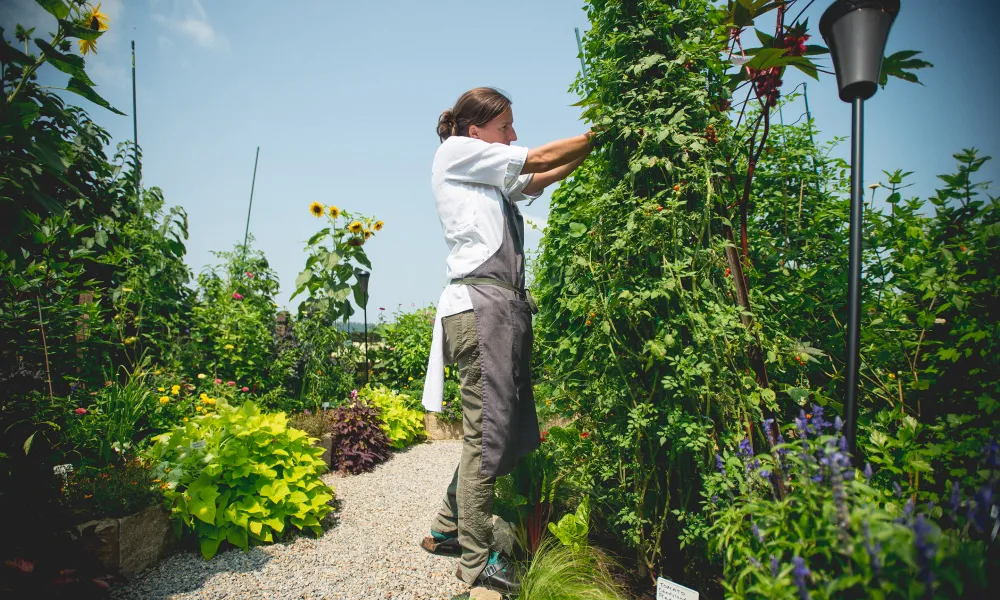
371, 551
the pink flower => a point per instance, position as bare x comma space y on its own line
249, 274
354, 394
81, 411
230, 383
218, 381
237, 296
244, 389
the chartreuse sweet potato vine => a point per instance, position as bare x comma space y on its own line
240, 475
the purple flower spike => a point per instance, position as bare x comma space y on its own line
718, 462
838, 424
800, 572
868, 471
774, 566
745, 448
755, 562
956, 499
765, 473
897, 489
769, 429
756, 533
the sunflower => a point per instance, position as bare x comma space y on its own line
87, 46
368, 233
334, 211
316, 209
95, 19
378, 225
355, 227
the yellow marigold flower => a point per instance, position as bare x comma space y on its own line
355, 227
368, 233
409, 379
164, 399
208, 400
228, 346
161, 389
197, 409
378, 225
203, 395
185, 420
316, 209
87, 46
201, 375
333, 211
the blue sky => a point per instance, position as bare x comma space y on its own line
343, 97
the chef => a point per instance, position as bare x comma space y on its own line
483, 320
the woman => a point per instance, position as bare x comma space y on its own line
484, 315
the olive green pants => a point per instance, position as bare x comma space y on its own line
468, 506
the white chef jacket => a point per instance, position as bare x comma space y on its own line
469, 178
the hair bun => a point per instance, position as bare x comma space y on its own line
446, 125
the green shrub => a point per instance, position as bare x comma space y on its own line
404, 425
110, 491
313, 424
239, 475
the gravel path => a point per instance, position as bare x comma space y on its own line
371, 552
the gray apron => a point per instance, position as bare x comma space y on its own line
503, 322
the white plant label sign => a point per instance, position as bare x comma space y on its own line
668, 590
326, 405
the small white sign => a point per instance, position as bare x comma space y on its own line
199, 444
668, 590
326, 405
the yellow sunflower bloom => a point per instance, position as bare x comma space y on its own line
95, 19
368, 233
378, 225
87, 46
316, 209
355, 227
333, 211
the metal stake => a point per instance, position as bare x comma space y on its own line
854, 274
253, 182
135, 128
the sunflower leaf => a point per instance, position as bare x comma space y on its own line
67, 63
81, 88
56, 8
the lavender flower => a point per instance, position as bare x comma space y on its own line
926, 551
802, 424
774, 566
756, 533
843, 443
755, 562
897, 489
868, 472
719, 465
800, 572
745, 449
956, 499
874, 551
765, 473
984, 505
818, 422
838, 424
769, 429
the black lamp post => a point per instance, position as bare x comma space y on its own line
856, 32
363, 276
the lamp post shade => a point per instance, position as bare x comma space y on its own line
856, 32
363, 276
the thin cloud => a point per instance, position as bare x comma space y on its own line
189, 20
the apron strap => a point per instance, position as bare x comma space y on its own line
488, 281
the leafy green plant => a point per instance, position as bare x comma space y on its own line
359, 443
573, 528
315, 425
404, 425
328, 361
241, 476
115, 490
558, 572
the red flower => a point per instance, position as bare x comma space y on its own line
237, 296
584, 435
218, 381
230, 383
245, 389
249, 274
81, 411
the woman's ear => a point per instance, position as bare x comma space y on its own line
473, 132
